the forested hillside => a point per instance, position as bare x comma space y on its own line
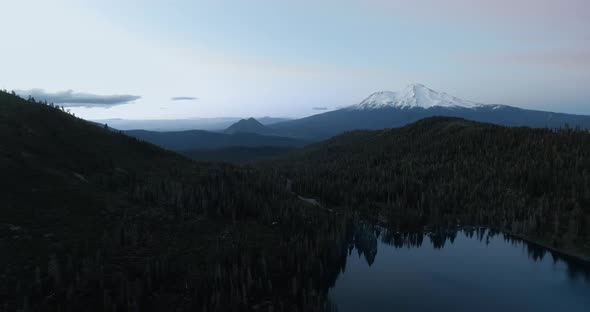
94, 220
238, 154
447, 171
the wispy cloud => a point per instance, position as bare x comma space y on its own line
184, 98
69, 98
320, 108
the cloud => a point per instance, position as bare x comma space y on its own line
70, 98
320, 108
184, 98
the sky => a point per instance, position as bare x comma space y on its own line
143, 59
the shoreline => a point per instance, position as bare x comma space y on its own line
564, 253
570, 254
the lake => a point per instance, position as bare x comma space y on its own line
467, 270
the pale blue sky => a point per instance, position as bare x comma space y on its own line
282, 58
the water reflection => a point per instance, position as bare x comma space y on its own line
460, 269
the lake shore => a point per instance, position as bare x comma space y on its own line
568, 252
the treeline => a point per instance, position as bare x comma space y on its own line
446, 171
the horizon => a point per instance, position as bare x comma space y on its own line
214, 59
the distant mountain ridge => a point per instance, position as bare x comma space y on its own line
386, 109
209, 124
382, 109
199, 140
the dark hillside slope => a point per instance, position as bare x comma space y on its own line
238, 154
444, 171
94, 220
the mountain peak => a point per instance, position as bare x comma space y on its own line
415, 86
413, 89
250, 125
413, 95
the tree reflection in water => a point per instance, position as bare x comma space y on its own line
462, 257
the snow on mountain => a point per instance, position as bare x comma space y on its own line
414, 95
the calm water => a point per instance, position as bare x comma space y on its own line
475, 270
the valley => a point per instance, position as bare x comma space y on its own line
94, 215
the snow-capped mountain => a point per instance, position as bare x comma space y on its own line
414, 95
388, 109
